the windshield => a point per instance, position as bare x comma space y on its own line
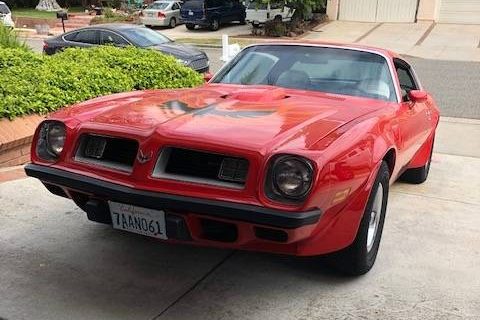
144, 37
4, 9
331, 70
257, 6
158, 5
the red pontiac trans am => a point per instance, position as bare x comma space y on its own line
290, 148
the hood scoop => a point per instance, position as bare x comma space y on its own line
258, 94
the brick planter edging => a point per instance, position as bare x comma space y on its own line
15, 139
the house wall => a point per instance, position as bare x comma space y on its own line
427, 9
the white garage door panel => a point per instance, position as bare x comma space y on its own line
378, 10
358, 10
396, 10
460, 11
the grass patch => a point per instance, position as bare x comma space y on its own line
32, 13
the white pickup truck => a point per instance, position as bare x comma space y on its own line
262, 12
6, 15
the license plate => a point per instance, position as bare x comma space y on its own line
190, 13
139, 220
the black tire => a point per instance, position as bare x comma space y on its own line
173, 23
190, 26
357, 259
148, 26
214, 24
418, 175
278, 18
242, 20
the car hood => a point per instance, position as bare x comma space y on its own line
178, 50
257, 118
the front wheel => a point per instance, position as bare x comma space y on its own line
242, 20
359, 257
214, 25
190, 26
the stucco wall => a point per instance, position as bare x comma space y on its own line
426, 9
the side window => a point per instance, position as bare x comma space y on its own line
405, 77
107, 37
70, 36
87, 36
175, 6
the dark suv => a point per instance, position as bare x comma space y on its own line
211, 13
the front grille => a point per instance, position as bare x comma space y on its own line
201, 167
199, 64
115, 153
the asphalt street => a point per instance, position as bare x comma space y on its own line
454, 84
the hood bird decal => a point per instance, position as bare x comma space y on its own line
179, 107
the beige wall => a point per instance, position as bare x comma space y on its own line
332, 9
426, 9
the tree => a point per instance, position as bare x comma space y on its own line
48, 5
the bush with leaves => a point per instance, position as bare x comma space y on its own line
9, 39
32, 83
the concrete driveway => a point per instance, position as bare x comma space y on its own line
424, 39
180, 31
55, 264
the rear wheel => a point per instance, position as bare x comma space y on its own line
418, 175
359, 257
214, 25
173, 23
190, 26
242, 20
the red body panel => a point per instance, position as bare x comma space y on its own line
345, 137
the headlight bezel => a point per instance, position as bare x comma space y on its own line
45, 148
273, 190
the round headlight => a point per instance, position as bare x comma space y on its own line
292, 176
56, 135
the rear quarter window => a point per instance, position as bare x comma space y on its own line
4, 9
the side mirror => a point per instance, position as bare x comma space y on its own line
207, 76
417, 95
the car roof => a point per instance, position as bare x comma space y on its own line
1, 2
384, 52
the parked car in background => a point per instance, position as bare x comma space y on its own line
122, 35
291, 148
6, 15
262, 12
162, 14
212, 13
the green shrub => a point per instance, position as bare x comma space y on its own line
32, 83
9, 39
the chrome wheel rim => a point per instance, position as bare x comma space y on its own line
375, 215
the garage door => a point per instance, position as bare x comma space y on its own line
378, 10
460, 11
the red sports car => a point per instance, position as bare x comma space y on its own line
290, 148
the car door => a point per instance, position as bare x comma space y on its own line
82, 38
413, 116
176, 11
111, 38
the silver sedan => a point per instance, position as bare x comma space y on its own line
162, 13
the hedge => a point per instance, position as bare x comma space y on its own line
34, 83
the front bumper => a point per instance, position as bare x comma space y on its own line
223, 210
